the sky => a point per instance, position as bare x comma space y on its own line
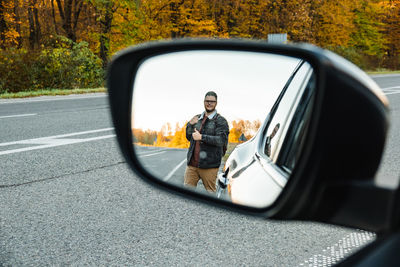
171, 87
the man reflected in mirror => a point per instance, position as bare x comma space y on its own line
208, 135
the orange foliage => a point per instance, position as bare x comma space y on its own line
109, 25
245, 127
177, 139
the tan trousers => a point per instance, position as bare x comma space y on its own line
208, 176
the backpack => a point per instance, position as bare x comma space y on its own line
225, 146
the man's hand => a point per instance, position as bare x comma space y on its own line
196, 135
194, 120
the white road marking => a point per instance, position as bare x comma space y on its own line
393, 87
50, 98
15, 116
346, 246
150, 150
393, 93
148, 155
391, 90
53, 141
173, 171
40, 140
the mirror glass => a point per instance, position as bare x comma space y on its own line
229, 124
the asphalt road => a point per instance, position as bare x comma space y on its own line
389, 170
67, 197
168, 164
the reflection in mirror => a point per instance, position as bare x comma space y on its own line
229, 124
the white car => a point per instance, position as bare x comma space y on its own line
258, 169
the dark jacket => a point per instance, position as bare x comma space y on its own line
214, 133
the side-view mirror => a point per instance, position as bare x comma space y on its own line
280, 131
224, 96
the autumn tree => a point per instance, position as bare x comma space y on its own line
246, 127
234, 135
367, 37
251, 19
291, 17
34, 24
10, 28
161, 140
366, 32
179, 138
3, 23
392, 32
69, 11
146, 137
333, 22
105, 10
127, 18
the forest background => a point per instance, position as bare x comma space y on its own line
53, 44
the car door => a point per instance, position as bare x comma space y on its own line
277, 147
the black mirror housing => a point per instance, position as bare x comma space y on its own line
343, 146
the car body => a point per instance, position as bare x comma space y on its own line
258, 169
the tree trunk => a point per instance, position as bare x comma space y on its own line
3, 26
67, 25
38, 30
66, 14
175, 33
31, 27
106, 23
77, 10
54, 17
34, 25
18, 23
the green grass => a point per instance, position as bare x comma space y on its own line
384, 71
52, 92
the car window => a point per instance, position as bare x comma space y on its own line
285, 111
298, 128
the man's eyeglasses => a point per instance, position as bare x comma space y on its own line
210, 101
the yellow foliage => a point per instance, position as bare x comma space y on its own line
334, 22
12, 36
179, 139
175, 140
327, 23
234, 135
245, 127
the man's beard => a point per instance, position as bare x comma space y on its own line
210, 110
